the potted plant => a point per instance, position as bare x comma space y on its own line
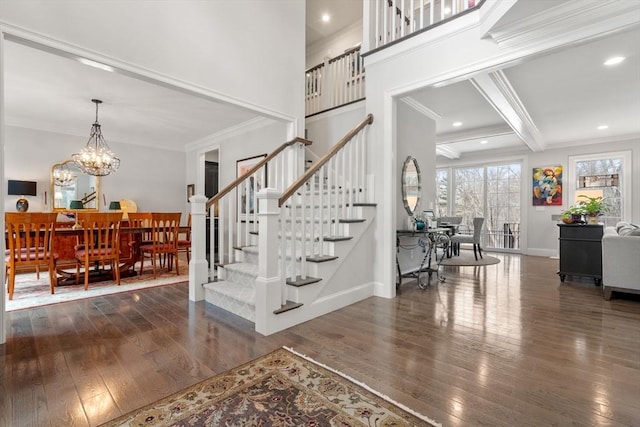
572, 215
593, 207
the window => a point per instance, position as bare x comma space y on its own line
603, 175
489, 191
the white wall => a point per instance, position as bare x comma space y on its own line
248, 50
326, 129
262, 138
416, 137
152, 178
335, 45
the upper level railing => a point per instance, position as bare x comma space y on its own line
335, 82
392, 20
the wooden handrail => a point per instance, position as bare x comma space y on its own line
317, 165
254, 169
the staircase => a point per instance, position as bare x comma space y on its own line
235, 288
304, 253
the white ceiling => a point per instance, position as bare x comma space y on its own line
50, 92
566, 94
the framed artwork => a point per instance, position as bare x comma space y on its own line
247, 204
547, 186
191, 190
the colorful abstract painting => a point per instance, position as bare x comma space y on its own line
547, 186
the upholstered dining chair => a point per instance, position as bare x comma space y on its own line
474, 238
165, 228
184, 245
30, 244
100, 244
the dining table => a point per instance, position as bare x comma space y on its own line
130, 239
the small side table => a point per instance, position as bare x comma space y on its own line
581, 251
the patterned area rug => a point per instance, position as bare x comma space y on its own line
32, 292
279, 389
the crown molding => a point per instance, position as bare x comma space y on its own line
420, 108
567, 23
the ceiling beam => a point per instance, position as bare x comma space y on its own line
448, 152
419, 107
497, 90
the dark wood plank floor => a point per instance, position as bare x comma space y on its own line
503, 345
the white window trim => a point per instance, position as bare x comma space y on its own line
627, 180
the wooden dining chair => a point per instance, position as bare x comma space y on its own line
140, 220
100, 244
30, 244
165, 228
184, 244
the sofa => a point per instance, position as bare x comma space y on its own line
621, 259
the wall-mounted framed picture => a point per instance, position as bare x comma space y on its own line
191, 190
547, 186
247, 190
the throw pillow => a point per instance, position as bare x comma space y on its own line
626, 230
634, 232
620, 225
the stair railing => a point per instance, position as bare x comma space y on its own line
337, 81
392, 20
311, 208
235, 205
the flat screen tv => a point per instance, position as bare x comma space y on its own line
21, 188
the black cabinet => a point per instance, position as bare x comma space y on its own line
581, 251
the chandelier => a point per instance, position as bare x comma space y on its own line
62, 175
96, 158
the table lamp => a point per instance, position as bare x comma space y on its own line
75, 205
114, 206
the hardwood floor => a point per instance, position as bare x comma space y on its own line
502, 345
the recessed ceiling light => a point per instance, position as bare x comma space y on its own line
614, 60
484, 141
603, 127
326, 17
456, 124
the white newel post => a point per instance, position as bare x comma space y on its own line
198, 265
268, 288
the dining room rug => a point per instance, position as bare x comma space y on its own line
282, 388
466, 258
30, 292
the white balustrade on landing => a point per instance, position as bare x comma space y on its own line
394, 19
337, 81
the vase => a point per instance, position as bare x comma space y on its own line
22, 205
419, 224
592, 219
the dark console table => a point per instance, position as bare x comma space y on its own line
581, 251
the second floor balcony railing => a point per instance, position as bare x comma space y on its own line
392, 20
337, 81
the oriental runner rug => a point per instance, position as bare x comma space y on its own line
282, 388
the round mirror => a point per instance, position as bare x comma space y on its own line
411, 185
69, 183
